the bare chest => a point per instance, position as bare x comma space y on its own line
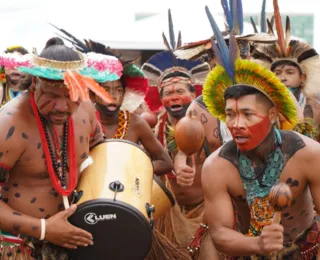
296, 218
33, 162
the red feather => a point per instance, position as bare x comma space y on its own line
97, 89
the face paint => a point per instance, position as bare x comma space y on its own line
177, 105
173, 100
248, 138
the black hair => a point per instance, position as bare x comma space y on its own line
56, 50
283, 63
54, 41
18, 49
123, 81
238, 91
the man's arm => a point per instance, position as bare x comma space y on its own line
311, 168
10, 141
96, 135
57, 229
185, 173
162, 163
220, 215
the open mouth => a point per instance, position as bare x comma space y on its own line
15, 74
112, 107
175, 108
241, 139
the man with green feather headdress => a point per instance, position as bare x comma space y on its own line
238, 178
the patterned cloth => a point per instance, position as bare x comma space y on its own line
21, 247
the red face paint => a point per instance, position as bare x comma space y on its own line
176, 100
249, 137
252, 136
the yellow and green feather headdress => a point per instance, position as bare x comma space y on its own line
235, 71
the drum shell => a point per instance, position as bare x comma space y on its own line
162, 198
122, 161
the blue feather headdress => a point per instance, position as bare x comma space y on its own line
159, 67
233, 13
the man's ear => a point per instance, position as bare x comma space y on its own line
33, 84
273, 115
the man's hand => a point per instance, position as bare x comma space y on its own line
60, 232
271, 239
185, 175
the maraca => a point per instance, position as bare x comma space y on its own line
280, 197
189, 134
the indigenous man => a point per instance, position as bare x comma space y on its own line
10, 77
46, 134
216, 132
297, 65
249, 98
172, 84
128, 91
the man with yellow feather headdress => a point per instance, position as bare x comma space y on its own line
238, 177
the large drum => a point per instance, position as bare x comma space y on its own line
115, 206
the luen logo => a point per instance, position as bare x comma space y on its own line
93, 218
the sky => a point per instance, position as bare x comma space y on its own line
26, 22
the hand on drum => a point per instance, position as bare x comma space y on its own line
185, 175
60, 232
271, 240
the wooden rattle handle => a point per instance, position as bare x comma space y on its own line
276, 217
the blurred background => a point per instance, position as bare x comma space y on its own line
135, 27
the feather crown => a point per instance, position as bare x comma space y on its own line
234, 24
160, 69
135, 81
290, 49
235, 71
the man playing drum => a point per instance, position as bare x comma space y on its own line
128, 91
47, 133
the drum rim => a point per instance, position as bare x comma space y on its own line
137, 212
124, 141
165, 190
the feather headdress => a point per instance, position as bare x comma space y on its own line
235, 71
263, 21
291, 49
68, 71
159, 67
234, 26
136, 82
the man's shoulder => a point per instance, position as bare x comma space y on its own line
16, 110
304, 146
224, 155
136, 121
199, 101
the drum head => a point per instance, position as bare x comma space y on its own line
119, 231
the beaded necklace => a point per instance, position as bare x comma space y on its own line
57, 167
259, 185
123, 125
